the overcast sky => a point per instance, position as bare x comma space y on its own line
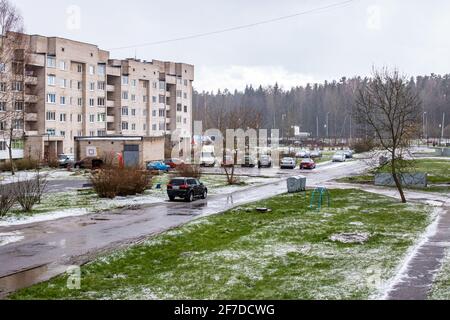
412, 35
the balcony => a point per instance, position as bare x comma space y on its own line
111, 132
31, 80
110, 119
31, 117
31, 98
112, 71
110, 88
110, 103
36, 60
31, 133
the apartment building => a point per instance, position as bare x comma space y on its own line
74, 89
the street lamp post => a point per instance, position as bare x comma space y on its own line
424, 129
442, 129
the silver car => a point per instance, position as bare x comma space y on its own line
265, 161
339, 157
288, 163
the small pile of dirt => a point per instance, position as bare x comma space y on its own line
350, 237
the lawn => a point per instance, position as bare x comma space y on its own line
441, 285
242, 254
438, 174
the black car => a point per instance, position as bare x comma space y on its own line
187, 189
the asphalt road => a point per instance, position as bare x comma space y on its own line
49, 247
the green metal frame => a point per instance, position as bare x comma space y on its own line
321, 191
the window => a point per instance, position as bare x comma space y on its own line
185, 96
101, 133
154, 99
91, 70
145, 99
101, 117
92, 118
17, 86
3, 87
80, 102
62, 117
62, 65
133, 97
154, 128
145, 84
92, 86
186, 109
79, 68
179, 107
2, 144
161, 126
179, 81
155, 85
101, 85
18, 144
162, 85
18, 124
134, 83
185, 83
125, 125
63, 83
51, 62
178, 119
51, 132
101, 101
62, 133
133, 127
2, 106
80, 85
80, 118
51, 98
133, 112
162, 113
50, 116
101, 69
162, 99
91, 102
51, 80
125, 95
154, 113
62, 100
2, 67
18, 106
185, 121
92, 133
2, 126
125, 111
125, 80
144, 112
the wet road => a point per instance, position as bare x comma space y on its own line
49, 246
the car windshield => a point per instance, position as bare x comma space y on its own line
177, 182
62, 157
288, 159
307, 161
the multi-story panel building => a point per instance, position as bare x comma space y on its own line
74, 89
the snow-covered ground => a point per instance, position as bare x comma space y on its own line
59, 174
10, 237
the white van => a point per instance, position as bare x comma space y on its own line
208, 157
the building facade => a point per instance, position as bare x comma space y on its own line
73, 89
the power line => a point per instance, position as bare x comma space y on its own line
245, 26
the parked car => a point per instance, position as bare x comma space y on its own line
173, 163
227, 161
187, 189
66, 160
348, 154
339, 157
249, 162
208, 157
265, 161
288, 163
307, 164
89, 163
303, 154
316, 154
158, 166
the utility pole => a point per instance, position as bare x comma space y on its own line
317, 122
328, 130
424, 129
443, 126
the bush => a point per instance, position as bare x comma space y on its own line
112, 182
53, 162
364, 145
189, 171
7, 199
29, 192
20, 165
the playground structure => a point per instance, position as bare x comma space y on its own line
320, 193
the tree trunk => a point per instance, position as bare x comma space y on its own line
397, 181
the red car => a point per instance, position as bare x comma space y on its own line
173, 163
307, 164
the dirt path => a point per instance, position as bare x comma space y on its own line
417, 273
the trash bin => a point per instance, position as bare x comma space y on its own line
296, 184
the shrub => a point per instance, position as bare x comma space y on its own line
7, 199
26, 164
29, 192
364, 145
113, 182
189, 171
53, 162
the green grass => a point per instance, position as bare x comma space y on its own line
441, 285
438, 174
242, 254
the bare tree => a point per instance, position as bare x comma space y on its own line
13, 53
389, 107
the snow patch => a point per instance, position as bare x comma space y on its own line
10, 237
